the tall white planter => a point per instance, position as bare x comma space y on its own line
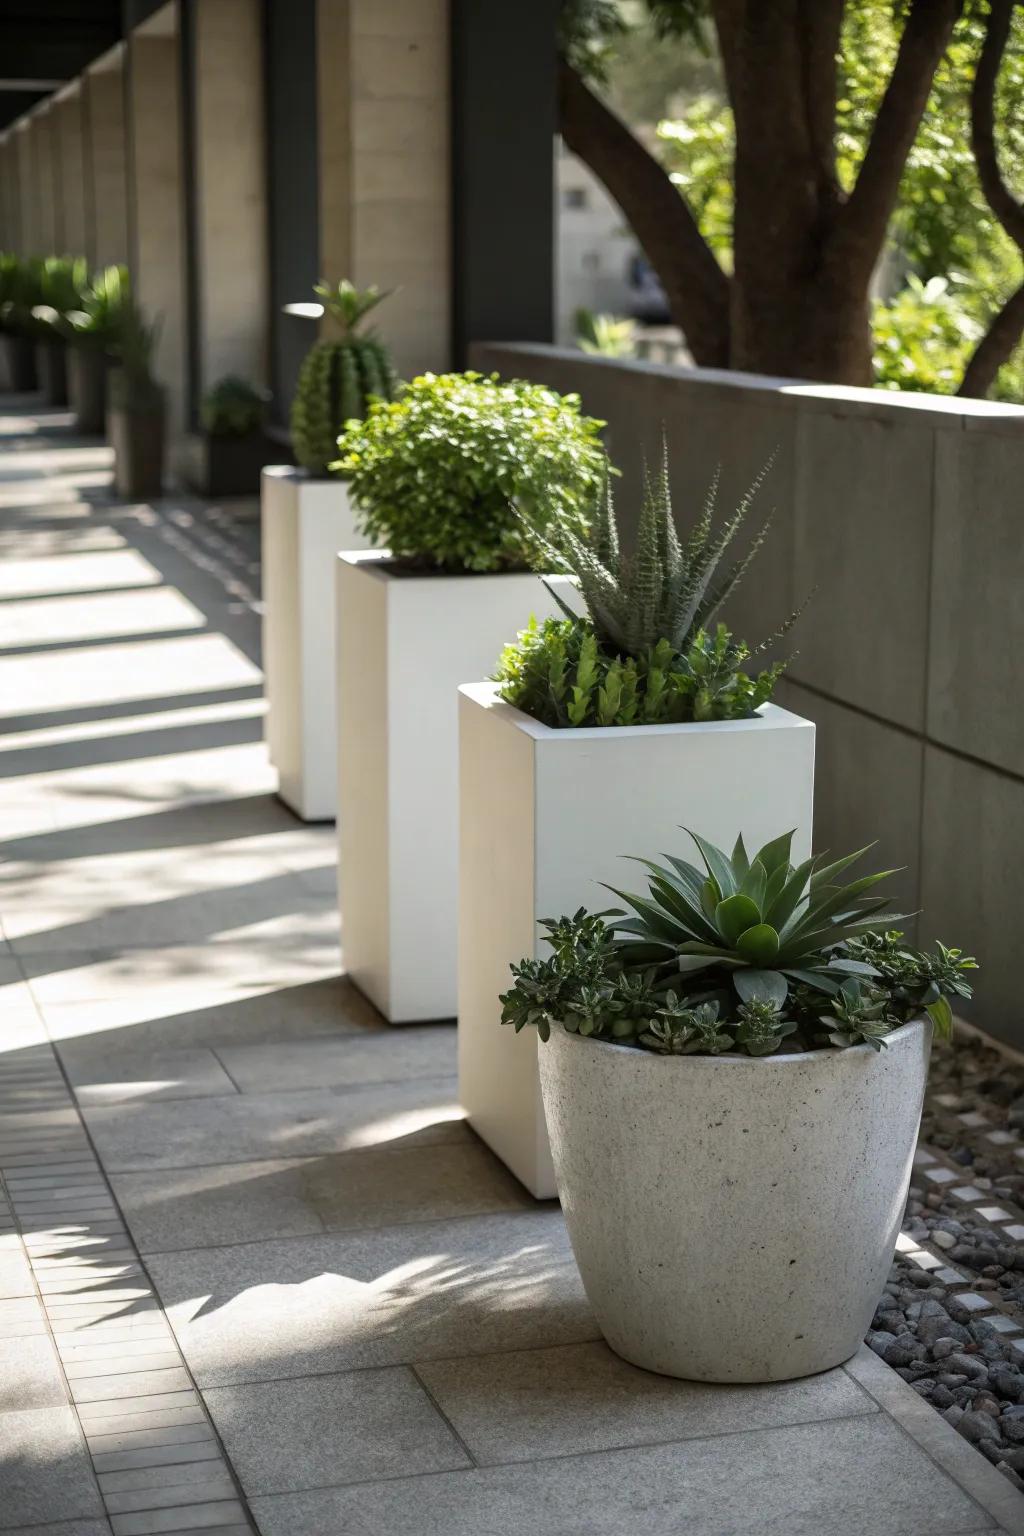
304, 523
546, 815
405, 643
733, 1217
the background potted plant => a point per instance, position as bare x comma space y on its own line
136, 408
18, 292
228, 455
733, 1078
62, 283
307, 516
433, 475
94, 329
633, 702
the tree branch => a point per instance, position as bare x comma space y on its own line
695, 285
862, 223
994, 348
1004, 332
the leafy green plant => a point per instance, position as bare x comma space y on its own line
924, 337
604, 335
63, 282
746, 955
434, 473
132, 386
97, 321
233, 408
339, 377
19, 294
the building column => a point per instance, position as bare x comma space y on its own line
384, 165
155, 191
105, 161
49, 229
229, 287
69, 143
27, 184
10, 188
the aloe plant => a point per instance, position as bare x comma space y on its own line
339, 376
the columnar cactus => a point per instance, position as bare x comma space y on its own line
338, 377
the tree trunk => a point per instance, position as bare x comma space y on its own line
800, 331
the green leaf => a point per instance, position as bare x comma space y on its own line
942, 1017
777, 852
718, 865
739, 857
759, 945
753, 985
827, 873
754, 885
735, 915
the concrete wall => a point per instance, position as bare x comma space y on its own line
156, 198
10, 195
70, 146
230, 191
384, 211
902, 513
103, 94
27, 187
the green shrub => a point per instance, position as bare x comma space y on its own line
924, 338
233, 408
435, 472
132, 386
19, 294
339, 377
746, 955
98, 319
644, 652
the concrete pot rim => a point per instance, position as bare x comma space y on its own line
379, 563
736, 1058
486, 696
299, 472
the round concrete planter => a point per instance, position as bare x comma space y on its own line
734, 1218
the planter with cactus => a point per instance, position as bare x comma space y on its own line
733, 1077
307, 516
433, 475
600, 732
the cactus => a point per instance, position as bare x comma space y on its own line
338, 377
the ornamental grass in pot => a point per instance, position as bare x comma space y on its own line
19, 290
433, 475
93, 332
733, 1076
137, 409
234, 447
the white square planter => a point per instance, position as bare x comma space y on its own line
405, 643
304, 523
545, 816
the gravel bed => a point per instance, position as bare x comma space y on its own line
951, 1321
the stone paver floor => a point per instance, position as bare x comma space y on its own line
255, 1272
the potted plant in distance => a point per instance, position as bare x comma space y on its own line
94, 328
733, 1078
600, 724
136, 409
228, 455
18, 293
62, 283
307, 516
433, 475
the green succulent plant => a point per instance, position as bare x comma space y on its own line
339, 377
233, 407
748, 956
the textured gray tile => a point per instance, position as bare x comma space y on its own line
302, 1306
129, 1437
45, 1473
70, 1528
838, 1479
30, 1375
175, 1470
15, 1274
208, 1483
242, 1202
168, 1522
108, 1075
320, 1430
582, 1397
151, 1460
136, 1385
21, 1316
196, 1132
351, 1060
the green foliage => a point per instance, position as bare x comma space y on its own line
603, 335
434, 473
63, 282
557, 673
747, 955
98, 319
132, 386
233, 408
923, 338
19, 293
339, 378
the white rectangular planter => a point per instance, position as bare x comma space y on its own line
305, 522
545, 816
405, 643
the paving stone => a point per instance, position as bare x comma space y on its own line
150, 1459
168, 1522
973, 1302
285, 1435
993, 1213
104, 1441
122, 1365
249, 1128
96, 1411
939, 1175
110, 1075
30, 1377
169, 1474
137, 1385
352, 1060
210, 1483
46, 1472
240, 1202
582, 1397
761, 1483
21, 1316
15, 1274
301, 1306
